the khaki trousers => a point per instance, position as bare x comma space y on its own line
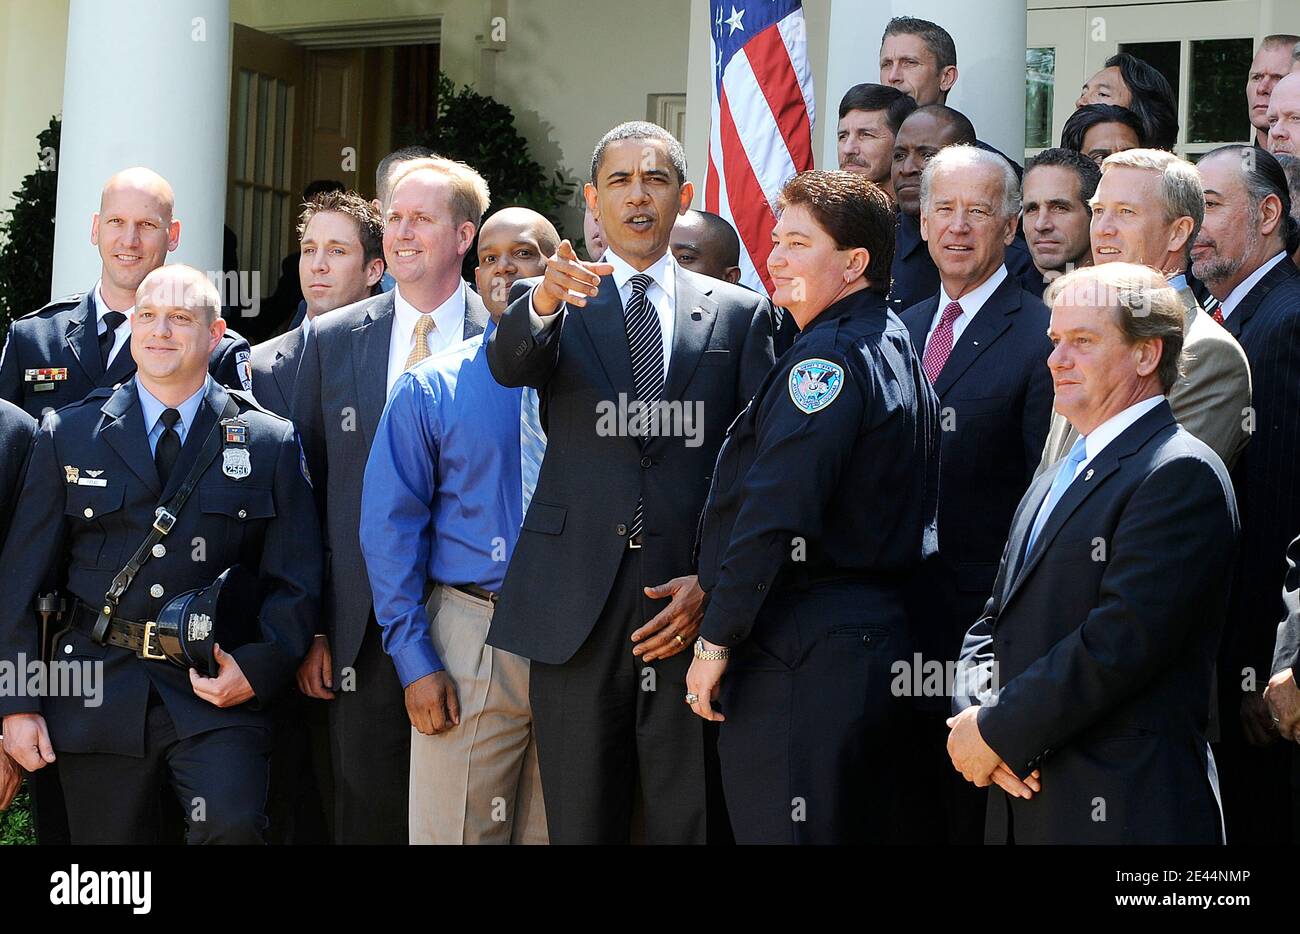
478, 782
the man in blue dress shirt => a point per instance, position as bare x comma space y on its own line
450, 473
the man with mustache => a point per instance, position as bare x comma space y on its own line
1243, 255
1148, 208
601, 582
870, 115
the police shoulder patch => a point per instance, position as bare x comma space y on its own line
814, 384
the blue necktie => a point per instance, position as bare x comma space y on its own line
1064, 477
532, 443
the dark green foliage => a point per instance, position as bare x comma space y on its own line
27, 235
480, 131
16, 824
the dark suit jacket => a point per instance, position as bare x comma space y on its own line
915, 277
1104, 641
16, 431
65, 334
86, 533
1267, 477
575, 532
275, 370
995, 402
340, 393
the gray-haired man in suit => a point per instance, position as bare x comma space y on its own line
351, 359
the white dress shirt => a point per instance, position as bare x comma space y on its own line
123, 333
1229, 304
662, 295
449, 329
970, 303
1096, 440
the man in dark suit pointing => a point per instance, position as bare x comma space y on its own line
1086, 683
601, 583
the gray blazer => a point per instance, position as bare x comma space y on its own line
575, 533
338, 398
1210, 399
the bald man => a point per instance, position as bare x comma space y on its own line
196, 728
1284, 116
57, 354
513, 244
707, 244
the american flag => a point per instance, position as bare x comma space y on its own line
761, 119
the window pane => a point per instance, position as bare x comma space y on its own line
1040, 79
1216, 103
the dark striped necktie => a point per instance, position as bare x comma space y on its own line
645, 343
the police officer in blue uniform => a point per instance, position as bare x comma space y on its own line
823, 503
88, 514
58, 354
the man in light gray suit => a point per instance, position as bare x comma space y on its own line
601, 582
1148, 208
351, 359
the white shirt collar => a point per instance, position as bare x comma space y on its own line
101, 307
448, 318
1234, 298
974, 300
663, 272
1115, 426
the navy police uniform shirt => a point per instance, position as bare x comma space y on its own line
830, 472
87, 503
51, 358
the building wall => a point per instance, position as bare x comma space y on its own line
568, 71
33, 37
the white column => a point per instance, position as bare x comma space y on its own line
990, 39
147, 82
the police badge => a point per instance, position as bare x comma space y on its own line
235, 463
814, 384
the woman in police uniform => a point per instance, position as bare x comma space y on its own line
823, 502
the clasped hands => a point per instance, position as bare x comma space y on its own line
979, 763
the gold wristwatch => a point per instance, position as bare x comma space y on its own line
721, 655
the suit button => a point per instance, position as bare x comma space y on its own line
88, 512
646, 461
866, 639
620, 529
243, 513
159, 550
156, 591
762, 587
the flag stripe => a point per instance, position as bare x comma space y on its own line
770, 62
755, 223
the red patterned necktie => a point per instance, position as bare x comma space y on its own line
1217, 314
940, 346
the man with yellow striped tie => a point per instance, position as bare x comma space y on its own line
452, 469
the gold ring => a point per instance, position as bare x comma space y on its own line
678, 637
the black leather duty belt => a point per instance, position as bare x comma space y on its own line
137, 637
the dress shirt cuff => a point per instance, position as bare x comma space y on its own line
416, 660
541, 326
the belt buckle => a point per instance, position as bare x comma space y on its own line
146, 651
163, 520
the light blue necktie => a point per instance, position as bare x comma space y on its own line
1064, 477
532, 443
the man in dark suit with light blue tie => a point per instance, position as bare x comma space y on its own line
983, 344
1084, 689
640, 366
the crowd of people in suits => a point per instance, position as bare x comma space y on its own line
981, 527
